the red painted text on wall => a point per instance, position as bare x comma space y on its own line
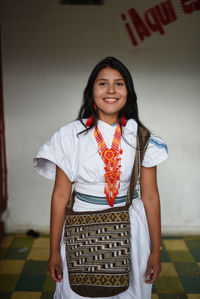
154, 19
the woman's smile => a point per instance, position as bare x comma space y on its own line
110, 100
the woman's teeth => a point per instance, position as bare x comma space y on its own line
110, 100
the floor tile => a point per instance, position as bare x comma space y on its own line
6, 241
190, 284
22, 242
195, 237
2, 252
21, 236
181, 256
47, 296
30, 283
168, 269
154, 288
193, 296
26, 295
11, 266
193, 244
39, 254
6, 295
173, 296
23, 268
8, 282
49, 285
175, 245
15, 254
41, 243
187, 269
35, 267
165, 256
196, 255
169, 285
171, 237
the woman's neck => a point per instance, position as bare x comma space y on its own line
109, 120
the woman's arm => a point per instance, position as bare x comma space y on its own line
60, 197
151, 200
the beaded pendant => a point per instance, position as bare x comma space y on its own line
112, 160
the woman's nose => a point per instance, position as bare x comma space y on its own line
111, 88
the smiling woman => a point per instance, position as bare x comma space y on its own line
91, 153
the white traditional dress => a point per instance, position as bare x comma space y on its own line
78, 157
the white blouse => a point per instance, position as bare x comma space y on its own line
78, 155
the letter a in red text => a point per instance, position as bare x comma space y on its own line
172, 10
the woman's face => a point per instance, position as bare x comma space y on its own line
109, 94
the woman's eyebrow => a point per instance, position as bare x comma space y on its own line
120, 79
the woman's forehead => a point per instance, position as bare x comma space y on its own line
109, 72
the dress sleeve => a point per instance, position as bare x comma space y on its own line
58, 150
156, 152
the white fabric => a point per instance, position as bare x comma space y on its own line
156, 153
78, 157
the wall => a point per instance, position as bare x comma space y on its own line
48, 53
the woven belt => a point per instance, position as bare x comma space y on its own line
99, 200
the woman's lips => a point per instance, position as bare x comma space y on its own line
110, 100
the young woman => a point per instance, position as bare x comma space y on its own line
73, 155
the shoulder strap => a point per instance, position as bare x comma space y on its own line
143, 136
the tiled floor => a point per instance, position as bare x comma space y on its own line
23, 268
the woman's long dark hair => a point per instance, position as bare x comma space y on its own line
130, 110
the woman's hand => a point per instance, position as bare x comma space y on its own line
153, 267
55, 267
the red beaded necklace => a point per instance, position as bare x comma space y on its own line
112, 160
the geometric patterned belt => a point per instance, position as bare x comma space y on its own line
98, 200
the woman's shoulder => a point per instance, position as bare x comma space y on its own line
59, 150
158, 142
72, 128
131, 126
157, 151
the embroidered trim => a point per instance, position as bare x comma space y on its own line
112, 161
158, 144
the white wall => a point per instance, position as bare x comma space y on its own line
49, 51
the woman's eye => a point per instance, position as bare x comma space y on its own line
117, 83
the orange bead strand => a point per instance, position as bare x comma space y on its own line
112, 160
